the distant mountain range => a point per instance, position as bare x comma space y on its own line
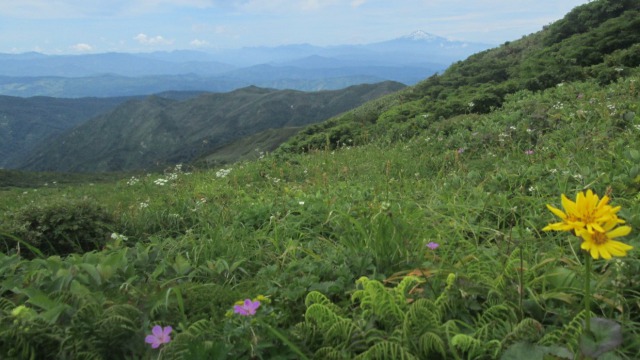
407, 59
157, 131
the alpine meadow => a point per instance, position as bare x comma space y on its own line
490, 211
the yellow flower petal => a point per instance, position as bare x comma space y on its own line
557, 212
619, 231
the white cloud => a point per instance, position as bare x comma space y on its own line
155, 40
357, 3
198, 43
81, 47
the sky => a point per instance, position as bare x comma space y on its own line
97, 26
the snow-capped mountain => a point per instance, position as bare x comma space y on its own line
420, 35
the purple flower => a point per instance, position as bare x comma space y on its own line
460, 150
529, 152
248, 308
159, 336
432, 245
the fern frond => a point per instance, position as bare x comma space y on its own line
331, 353
377, 301
405, 285
463, 344
568, 335
528, 330
316, 297
443, 302
423, 315
495, 322
510, 272
6, 304
430, 343
385, 350
322, 316
199, 328
341, 332
307, 332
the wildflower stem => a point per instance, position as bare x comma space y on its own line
587, 290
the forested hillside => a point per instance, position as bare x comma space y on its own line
27, 123
156, 132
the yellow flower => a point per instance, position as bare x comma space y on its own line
263, 299
588, 211
601, 243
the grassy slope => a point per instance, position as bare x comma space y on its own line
286, 226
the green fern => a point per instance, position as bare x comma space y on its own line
376, 301
6, 305
568, 335
422, 328
495, 322
322, 315
528, 330
316, 297
331, 353
385, 350
431, 343
465, 346
443, 302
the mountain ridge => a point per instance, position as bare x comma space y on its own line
124, 74
151, 132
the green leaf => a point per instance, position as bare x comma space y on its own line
633, 155
39, 299
605, 335
76, 288
628, 116
93, 272
51, 315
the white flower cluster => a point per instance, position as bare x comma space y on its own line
274, 179
161, 182
119, 237
134, 180
223, 172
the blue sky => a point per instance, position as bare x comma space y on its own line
94, 26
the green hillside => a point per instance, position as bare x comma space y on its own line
599, 40
430, 240
155, 132
250, 147
26, 123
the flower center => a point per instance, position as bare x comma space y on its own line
599, 238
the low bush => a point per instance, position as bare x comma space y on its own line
60, 227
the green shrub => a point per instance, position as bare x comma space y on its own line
60, 227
